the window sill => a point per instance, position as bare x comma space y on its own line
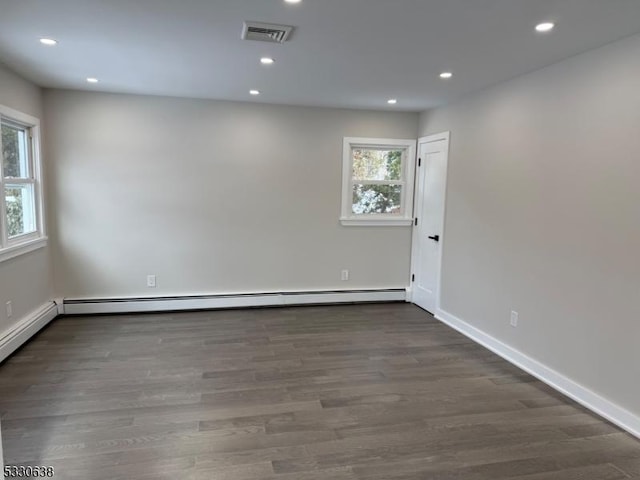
22, 248
376, 222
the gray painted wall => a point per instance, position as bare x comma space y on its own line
543, 216
26, 280
212, 197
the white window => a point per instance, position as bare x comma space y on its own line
377, 181
21, 223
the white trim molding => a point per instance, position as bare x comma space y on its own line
26, 328
605, 408
379, 222
22, 248
213, 302
436, 137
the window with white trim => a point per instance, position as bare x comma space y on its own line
21, 225
377, 181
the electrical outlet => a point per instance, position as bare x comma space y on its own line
9, 309
345, 275
514, 319
151, 281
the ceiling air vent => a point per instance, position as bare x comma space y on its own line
266, 32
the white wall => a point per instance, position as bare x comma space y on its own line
543, 216
212, 197
26, 280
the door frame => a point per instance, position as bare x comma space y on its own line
446, 136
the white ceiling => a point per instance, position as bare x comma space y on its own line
344, 53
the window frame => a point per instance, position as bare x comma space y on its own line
21, 244
405, 218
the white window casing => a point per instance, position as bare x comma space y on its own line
28, 183
403, 216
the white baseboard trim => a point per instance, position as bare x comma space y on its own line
26, 328
212, 302
587, 398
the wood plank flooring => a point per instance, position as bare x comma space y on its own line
335, 392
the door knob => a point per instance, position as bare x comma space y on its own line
435, 238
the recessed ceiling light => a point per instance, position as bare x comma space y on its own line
545, 27
446, 75
92, 80
267, 61
293, 1
48, 41
392, 101
254, 92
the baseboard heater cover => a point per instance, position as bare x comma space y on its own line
26, 328
243, 300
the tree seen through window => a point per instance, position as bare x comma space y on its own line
376, 174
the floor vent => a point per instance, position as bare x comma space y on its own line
266, 32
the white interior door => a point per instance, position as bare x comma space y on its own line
431, 181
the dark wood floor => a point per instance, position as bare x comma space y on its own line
336, 393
